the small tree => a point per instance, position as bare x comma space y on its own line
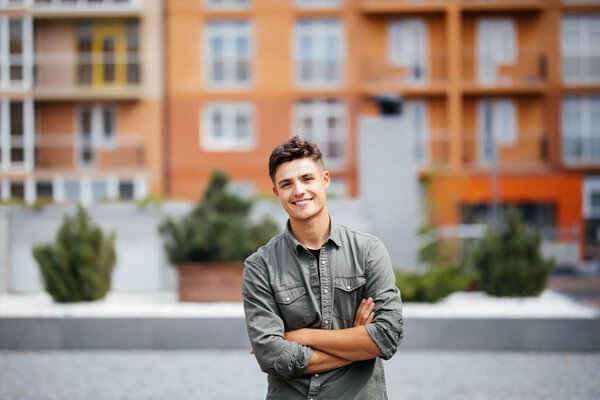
78, 266
217, 229
509, 261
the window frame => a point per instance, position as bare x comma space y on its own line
230, 112
322, 28
228, 31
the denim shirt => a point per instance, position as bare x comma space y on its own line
286, 288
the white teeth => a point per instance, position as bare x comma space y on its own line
301, 202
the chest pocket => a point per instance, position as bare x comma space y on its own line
293, 306
349, 291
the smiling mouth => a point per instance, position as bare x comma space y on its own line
301, 202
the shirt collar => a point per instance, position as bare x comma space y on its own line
334, 236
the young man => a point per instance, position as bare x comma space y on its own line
320, 299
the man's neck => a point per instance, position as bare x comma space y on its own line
313, 232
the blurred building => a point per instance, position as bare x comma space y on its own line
81, 99
503, 97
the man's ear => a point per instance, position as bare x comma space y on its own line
274, 190
326, 178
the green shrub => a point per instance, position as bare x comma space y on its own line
509, 261
435, 284
217, 229
78, 266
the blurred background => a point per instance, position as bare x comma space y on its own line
440, 121
432, 115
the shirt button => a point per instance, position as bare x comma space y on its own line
287, 299
326, 322
316, 375
324, 290
323, 262
348, 287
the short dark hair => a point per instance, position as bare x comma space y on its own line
293, 149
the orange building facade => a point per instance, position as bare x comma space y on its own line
502, 97
81, 100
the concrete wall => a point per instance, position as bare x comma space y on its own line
389, 187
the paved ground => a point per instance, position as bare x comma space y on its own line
411, 375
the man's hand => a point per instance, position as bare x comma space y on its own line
364, 314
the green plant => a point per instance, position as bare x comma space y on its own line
218, 229
435, 284
78, 266
509, 261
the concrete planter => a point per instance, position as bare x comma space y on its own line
210, 282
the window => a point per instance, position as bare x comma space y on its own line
227, 4
581, 48
497, 126
15, 52
324, 123
407, 47
44, 190
318, 3
96, 129
581, 129
16, 134
227, 127
228, 54
319, 53
496, 45
79, 3
108, 53
416, 118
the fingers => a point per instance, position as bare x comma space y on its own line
364, 313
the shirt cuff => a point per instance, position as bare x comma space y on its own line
292, 362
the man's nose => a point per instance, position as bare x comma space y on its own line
298, 187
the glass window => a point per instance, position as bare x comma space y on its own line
319, 52
15, 36
324, 123
581, 48
228, 54
581, 130
496, 46
44, 190
407, 47
226, 4
318, 3
126, 191
97, 129
227, 127
497, 126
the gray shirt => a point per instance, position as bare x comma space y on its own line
285, 288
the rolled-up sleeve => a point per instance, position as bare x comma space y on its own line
386, 330
274, 354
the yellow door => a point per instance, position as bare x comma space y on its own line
109, 55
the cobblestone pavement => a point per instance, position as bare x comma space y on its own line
175, 375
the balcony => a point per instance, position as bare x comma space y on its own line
503, 5
67, 152
482, 74
528, 153
85, 8
377, 76
387, 6
86, 76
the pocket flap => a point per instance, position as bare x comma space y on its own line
349, 284
287, 296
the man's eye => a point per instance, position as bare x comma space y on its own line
308, 179
285, 185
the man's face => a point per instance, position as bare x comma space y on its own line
300, 188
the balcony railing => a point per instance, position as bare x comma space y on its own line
68, 152
581, 151
529, 69
393, 5
75, 74
517, 4
529, 151
382, 75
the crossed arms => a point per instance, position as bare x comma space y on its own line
337, 348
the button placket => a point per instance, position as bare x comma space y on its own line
326, 300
